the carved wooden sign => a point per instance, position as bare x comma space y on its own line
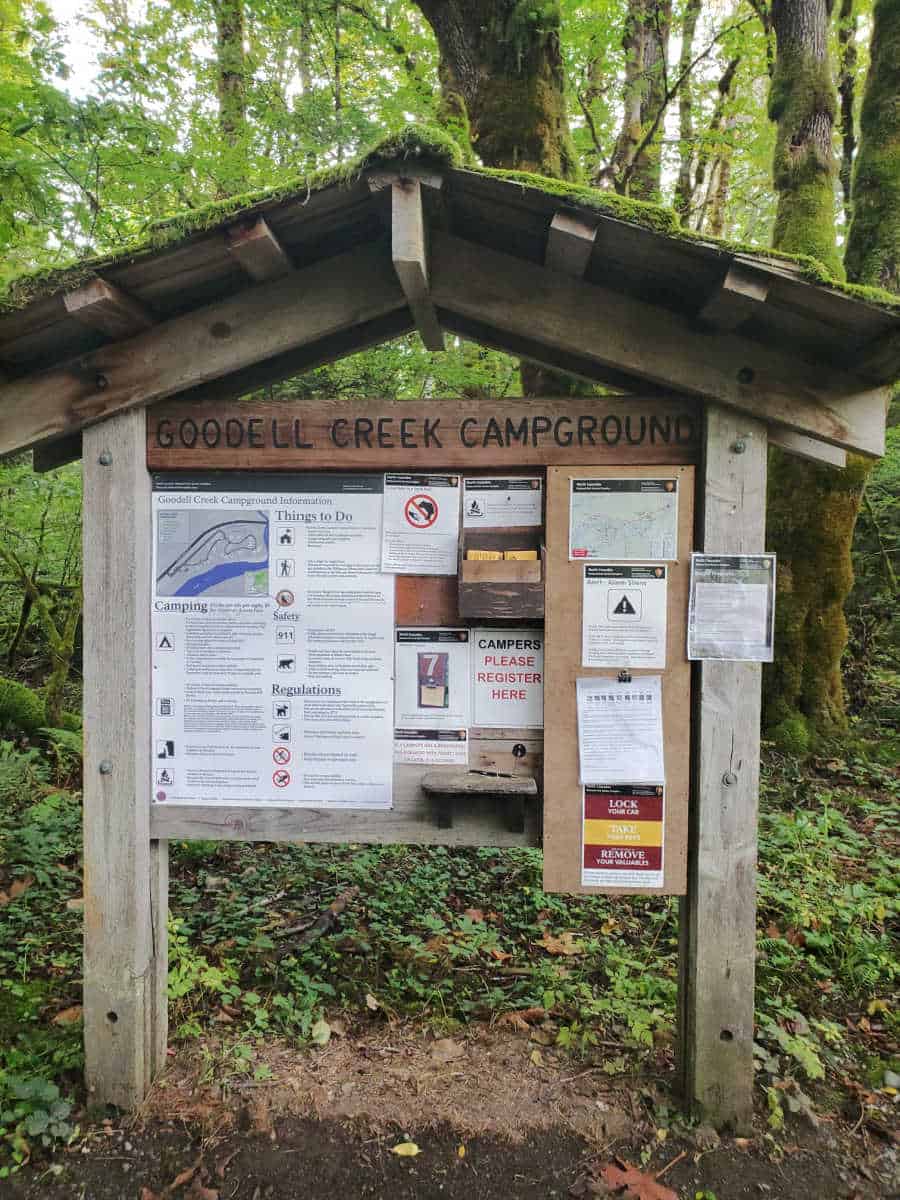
286, 435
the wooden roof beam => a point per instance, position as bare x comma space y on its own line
654, 343
410, 256
103, 306
880, 359
806, 447
735, 299
257, 250
209, 343
570, 244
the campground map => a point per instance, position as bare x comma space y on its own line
212, 553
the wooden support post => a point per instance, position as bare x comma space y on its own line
409, 252
570, 244
125, 874
103, 306
718, 914
258, 251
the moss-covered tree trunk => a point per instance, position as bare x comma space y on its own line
231, 88
812, 509
502, 82
873, 248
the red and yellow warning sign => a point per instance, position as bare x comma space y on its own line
623, 835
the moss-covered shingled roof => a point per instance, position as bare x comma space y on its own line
426, 146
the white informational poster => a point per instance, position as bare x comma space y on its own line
612, 520
623, 617
432, 686
497, 503
622, 835
432, 747
731, 614
508, 678
420, 534
272, 641
620, 734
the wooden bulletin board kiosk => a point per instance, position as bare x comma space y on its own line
452, 621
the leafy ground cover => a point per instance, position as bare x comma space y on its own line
293, 942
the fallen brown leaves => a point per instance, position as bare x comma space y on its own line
564, 944
623, 1181
16, 889
520, 1020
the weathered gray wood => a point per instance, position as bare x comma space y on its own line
258, 251
460, 781
806, 447
50, 455
125, 875
209, 343
880, 359
718, 914
101, 305
654, 343
736, 298
410, 256
570, 244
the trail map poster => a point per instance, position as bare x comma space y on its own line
614, 520
272, 641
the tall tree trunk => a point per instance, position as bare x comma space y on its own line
684, 187
847, 93
502, 83
811, 508
636, 170
717, 124
873, 248
802, 99
231, 86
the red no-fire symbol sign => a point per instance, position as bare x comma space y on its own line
281, 755
421, 511
281, 778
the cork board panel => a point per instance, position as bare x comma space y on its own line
562, 666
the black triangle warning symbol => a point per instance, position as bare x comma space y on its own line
625, 608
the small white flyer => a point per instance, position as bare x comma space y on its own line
432, 685
623, 617
499, 502
614, 520
420, 530
731, 614
620, 733
432, 747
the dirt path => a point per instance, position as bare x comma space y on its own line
492, 1115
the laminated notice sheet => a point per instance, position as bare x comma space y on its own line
623, 617
731, 614
622, 835
620, 733
627, 520
500, 502
432, 686
432, 747
272, 641
420, 534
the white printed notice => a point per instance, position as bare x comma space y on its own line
623, 617
508, 678
420, 534
432, 685
272, 633
731, 614
620, 730
622, 835
498, 503
623, 519
432, 747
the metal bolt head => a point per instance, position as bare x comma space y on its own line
746, 375
101, 383
738, 446
106, 767
104, 458
729, 778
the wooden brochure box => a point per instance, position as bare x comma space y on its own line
505, 589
